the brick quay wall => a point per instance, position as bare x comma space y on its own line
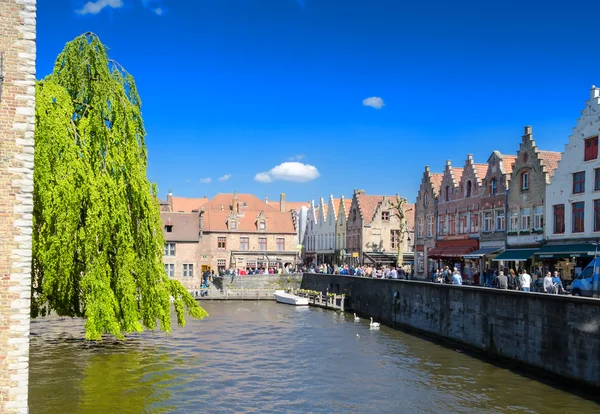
559, 335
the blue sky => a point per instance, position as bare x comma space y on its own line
232, 89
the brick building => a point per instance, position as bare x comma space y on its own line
17, 121
425, 222
373, 230
493, 209
235, 231
525, 222
459, 216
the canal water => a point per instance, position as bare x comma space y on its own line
263, 357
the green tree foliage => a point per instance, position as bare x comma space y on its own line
97, 236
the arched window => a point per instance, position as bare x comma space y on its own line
447, 193
469, 188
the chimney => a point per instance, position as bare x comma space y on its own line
235, 205
282, 202
170, 200
594, 92
267, 198
469, 158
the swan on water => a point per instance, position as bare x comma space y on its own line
374, 324
356, 318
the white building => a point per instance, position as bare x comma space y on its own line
573, 196
325, 230
310, 234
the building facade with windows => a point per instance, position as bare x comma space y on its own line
573, 195
425, 222
235, 231
343, 210
459, 220
325, 230
525, 216
310, 235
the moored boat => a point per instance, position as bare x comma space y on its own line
289, 299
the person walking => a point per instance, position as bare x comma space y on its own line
501, 281
548, 285
525, 281
456, 277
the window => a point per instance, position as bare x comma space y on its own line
385, 215
280, 244
426, 199
170, 269
232, 225
579, 182
597, 179
578, 216
499, 220
221, 264
169, 249
430, 226
261, 225
188, 270
244, 243
525, 218
596, 215
559, 219
469, 188
494, 186
487, 221
221, 243
169, 229
447, 193
525, 181
452, 220
591, 149
514, 220
442, 225
538, 218
462, 223
395, 238
474, 222
262, 243
420, 229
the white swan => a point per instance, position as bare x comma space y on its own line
356, 318
374, 324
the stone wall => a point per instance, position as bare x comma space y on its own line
17, 106
558, 334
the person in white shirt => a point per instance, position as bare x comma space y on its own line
525, 280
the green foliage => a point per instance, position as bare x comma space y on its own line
97, 238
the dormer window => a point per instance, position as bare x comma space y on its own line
169, 228
261, 225
232, 225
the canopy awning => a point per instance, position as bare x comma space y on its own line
561, 251
515, 255
484, 251
453, 251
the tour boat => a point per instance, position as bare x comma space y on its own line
289, 299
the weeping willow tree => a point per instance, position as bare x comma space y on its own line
97, 236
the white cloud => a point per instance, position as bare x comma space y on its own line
225, 177
289, 171
296, 157
95, 7
205, 180
155, 6
374, 102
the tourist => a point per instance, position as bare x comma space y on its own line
393, 273
501, 281
548, 285
557, 282
512, 280
447, 275
456, 277
525, 281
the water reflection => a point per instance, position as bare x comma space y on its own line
264, 357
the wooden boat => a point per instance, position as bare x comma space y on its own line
289, 299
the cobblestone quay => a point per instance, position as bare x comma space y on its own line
557, 334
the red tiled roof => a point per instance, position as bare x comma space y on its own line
277, 221
481, 170
508, 161
295, 205
182, 204
245, 201
367, 205
185, 226
436, 182
550, 159
457, 173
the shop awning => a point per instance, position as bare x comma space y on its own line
561, 251
453, 251
484, 251
515, 255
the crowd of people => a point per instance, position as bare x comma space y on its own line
506, 279
372, 271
